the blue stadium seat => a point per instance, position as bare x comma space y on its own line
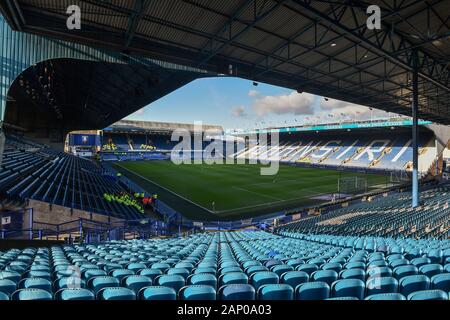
418, 262
31, 294
409, 284
4, 296
328, 276
438, 282
348, 288
157, 293
74, 294
294, 278
275, 292
281, 268
10, 275
253, 269
136, 282
116, 293
197, 292
428, 295
379, 272
7, 286
380, 285
233, 278
236, 292
179, 271
209, 270
332, 266
431, 269
120, 274
88, 274
386, 296
229, 270
405, 270
151, 273
97, 283
173, 281
353, 274
309, 268
68, 282
35, 283
317, 290
202, 279
343, 298
258, 279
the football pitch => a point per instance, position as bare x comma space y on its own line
237, 191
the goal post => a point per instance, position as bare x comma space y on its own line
351, 185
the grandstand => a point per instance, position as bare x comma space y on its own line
92, 208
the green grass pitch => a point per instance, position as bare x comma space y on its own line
229, 192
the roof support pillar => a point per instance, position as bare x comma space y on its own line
415, 132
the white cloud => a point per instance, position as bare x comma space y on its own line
253, 93
349, 110
238, 112
293, 103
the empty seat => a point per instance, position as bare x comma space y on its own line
294, 278
353, 274
90, 273
35, 283
157, 293
98, 283
380, 285
332, 266
69, 282
119, 274
431, 269
179, 271
31, 294
265, 277
7, 286
275, 292
379, 272
439, 281
197, 292
328, 276
4, 296
74, 294
312, 291
116, 293
151, 273
203, 279
386, 296
281, 268
428, 295
173, 281
236, 292
348, 288
418, 262
405, 270
309, 268
205, 270
136, 282
410, 284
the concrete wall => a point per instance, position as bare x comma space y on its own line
54, 214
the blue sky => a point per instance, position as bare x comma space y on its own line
235, 103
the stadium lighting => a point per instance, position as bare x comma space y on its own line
333, 44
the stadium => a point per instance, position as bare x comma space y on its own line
98, 206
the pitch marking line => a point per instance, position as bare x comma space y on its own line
160, 186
